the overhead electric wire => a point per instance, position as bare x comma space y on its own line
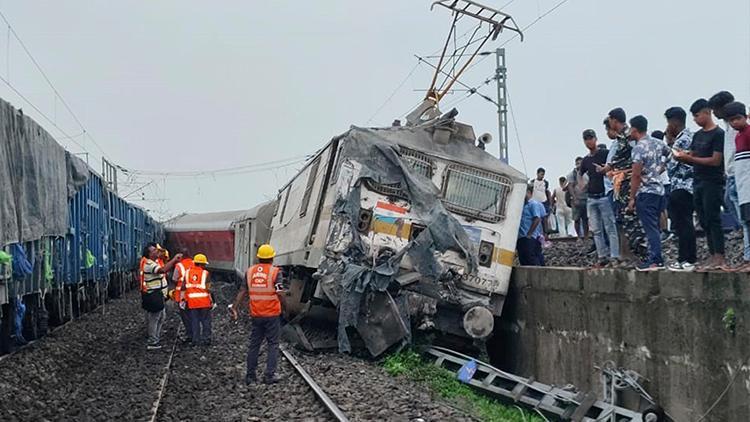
524, 29
138, 189
540, 17
393, 94
47, 118
249, 168
452, 73
472, 91
515, 129
475, 90
78, 135
473, 29
51, 85
422, 59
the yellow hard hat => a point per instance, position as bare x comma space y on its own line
200, 259
266, 252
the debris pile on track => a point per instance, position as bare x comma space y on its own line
97, 368
565, 253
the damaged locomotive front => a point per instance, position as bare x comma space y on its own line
400, 228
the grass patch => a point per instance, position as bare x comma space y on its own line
409, 363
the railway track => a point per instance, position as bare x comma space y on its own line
329, 404
178, 382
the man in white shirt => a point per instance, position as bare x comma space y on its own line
563, 211
717, 103
541, 194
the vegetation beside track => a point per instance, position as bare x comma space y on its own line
408, 363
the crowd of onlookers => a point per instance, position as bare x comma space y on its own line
646, 187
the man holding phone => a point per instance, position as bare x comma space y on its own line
598, 205
681, 196
706, 156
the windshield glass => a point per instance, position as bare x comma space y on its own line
475, 193
418, 162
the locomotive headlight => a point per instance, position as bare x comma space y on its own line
365, 218
486, 250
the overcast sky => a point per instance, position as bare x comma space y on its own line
176, 86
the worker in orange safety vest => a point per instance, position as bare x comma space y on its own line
263, 287
196, 298
178, 277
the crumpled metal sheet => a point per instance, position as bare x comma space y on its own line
37, 177
373, 154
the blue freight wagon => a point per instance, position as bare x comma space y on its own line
91, 258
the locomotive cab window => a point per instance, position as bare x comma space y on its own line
310, 185
475, 193
283, 207
418, 162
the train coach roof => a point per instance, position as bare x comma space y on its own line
210, 221
253, 212
463, 151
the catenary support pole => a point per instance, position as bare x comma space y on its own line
502, 103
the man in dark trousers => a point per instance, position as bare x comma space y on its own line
530, 236
681, 196
736, 115
619, 169
706, 155
179, 277
198, 301
263, 287
647, 189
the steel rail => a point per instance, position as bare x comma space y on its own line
329, 404
165, 378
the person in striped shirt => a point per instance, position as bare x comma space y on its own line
736, 115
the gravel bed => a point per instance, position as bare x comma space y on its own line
208, 383
365, 392
94, 368
573, 253
98, 369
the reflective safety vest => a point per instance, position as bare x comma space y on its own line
196, 290
151, 281
180, 270
141, 275
261, 280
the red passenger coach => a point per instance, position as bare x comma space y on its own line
211, 234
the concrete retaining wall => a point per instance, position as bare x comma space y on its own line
560, 323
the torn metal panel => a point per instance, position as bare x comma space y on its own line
380, 323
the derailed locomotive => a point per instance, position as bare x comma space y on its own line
400, 227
